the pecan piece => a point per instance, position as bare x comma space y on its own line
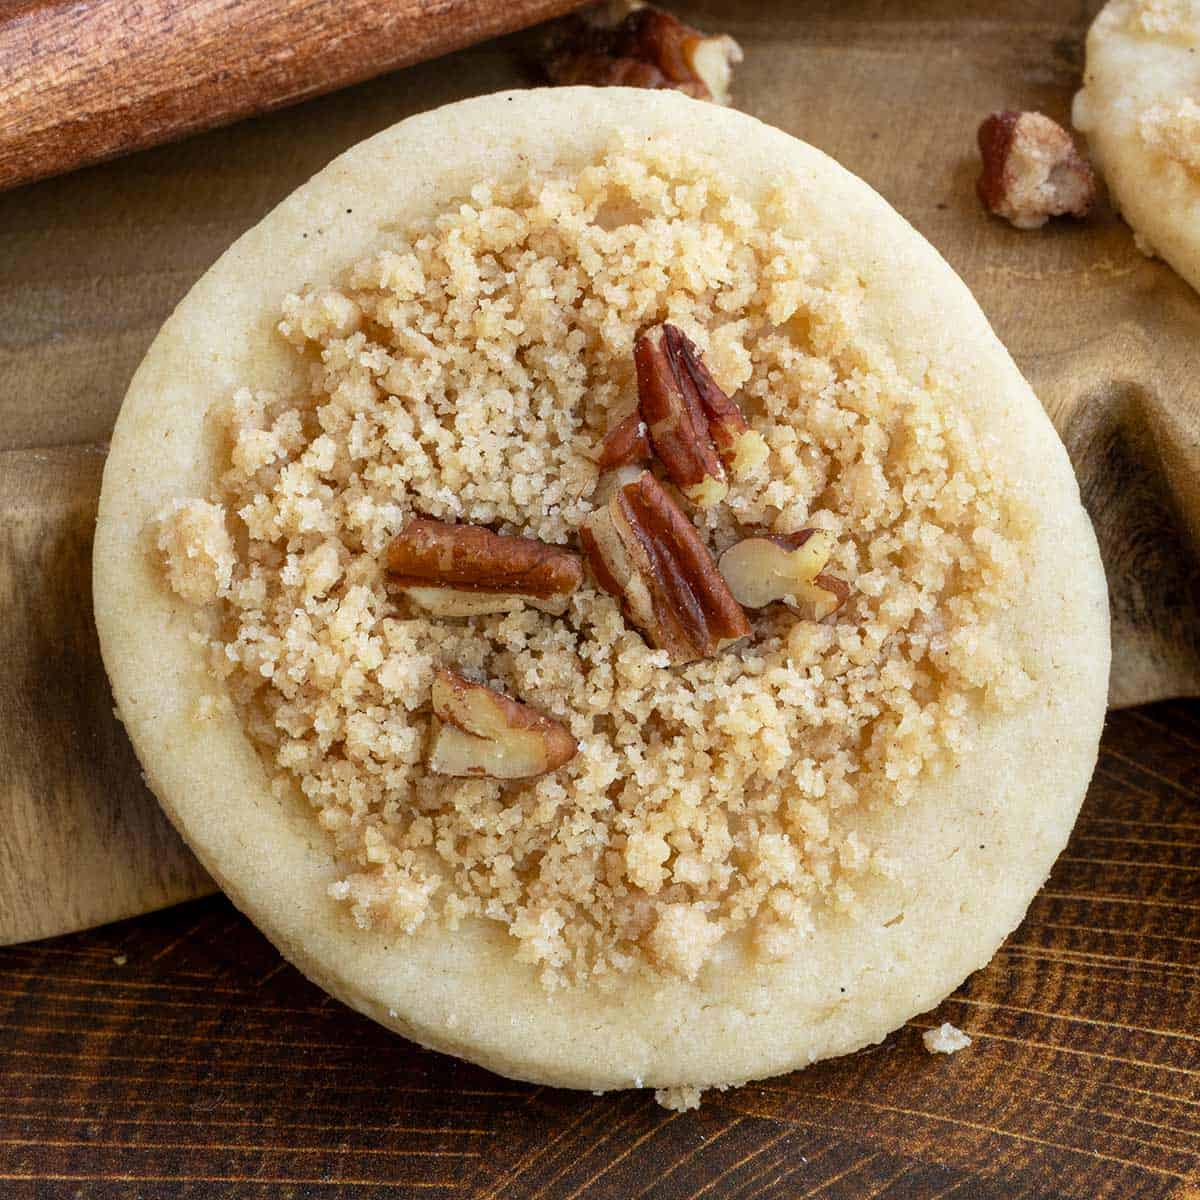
609, 483
643, 550
694, 427
466, 570
1031, 170
763, 570
479, 731
625, 443
642, 46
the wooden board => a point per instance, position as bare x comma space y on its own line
82, 842
203, 1067
177, 1058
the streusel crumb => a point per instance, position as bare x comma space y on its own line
196, 549
467, 370
678, 1099
1174, 130
1165, 18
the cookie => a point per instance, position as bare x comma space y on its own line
547, 794
1140, 110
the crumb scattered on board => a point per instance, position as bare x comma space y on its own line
945, 1039
678, 1099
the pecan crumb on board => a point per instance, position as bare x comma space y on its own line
638, 45
1031, 170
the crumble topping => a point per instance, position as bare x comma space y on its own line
1173, 129
196, 550
468, 370
1166, 18
678, 1099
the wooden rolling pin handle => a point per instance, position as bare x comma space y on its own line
86, 80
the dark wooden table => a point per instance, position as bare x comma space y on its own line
177, 1056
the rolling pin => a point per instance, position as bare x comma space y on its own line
82, 81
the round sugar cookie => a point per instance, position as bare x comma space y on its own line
1140, 110
754, 861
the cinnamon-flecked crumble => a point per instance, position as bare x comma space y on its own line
468, 371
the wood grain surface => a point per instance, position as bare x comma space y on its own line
177, 1056
74, 802
83, 82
